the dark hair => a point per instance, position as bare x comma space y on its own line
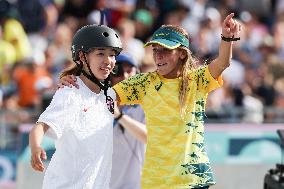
72, 70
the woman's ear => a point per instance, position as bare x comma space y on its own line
183, 54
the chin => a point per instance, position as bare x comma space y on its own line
103, 77
161, 72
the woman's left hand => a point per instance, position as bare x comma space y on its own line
230, 27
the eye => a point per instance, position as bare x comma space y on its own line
100, 54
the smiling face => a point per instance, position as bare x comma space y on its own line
168, 61
101, 61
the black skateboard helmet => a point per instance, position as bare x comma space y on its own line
94, 36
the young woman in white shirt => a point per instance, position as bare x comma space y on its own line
81, 120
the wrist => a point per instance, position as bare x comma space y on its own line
34, 144
35, 149
119, 116
229, 39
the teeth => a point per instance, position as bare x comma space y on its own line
161, 64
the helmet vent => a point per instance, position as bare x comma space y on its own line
116, 36
105, 34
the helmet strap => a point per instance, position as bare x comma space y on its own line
80, 66
103, 85
92, 77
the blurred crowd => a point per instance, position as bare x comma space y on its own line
36, 35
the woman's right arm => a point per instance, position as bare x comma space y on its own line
35, 139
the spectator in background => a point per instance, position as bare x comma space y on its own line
26, 74
58, 50
118, 9
7, 53
7, 60
13, 31
143, 20
129, 134
278, 33
39, 19
1, 96
76, 10
38, 16
131, 45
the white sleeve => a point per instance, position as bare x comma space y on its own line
56, 114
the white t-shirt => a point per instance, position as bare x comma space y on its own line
82, 127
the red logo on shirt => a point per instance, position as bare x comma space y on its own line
85, 109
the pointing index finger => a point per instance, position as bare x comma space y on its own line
229, 17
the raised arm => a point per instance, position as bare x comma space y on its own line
230, 32
38, 153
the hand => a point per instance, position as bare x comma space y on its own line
68, 80
38, 154
231, 27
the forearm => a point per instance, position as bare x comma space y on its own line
230, 32
135, 128
36, 135
223, 60
225, 53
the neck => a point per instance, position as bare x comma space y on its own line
174, 73
91, 85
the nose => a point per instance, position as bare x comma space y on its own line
109, 60
158, 56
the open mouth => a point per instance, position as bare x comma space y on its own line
105, 69
161, 64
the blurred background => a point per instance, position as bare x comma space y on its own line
241, 118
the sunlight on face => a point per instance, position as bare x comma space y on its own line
102, 62
167, 61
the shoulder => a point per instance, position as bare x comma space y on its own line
66, 93
66, 90
198, 72
141, 78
